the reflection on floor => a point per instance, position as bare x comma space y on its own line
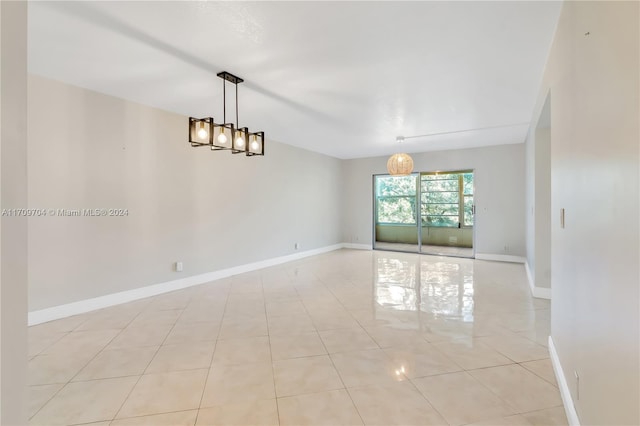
448, 251
408, 248
344, 338
426, 249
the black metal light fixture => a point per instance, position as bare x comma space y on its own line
225, 136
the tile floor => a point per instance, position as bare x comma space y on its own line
345, 338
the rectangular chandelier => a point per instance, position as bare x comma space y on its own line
225, 136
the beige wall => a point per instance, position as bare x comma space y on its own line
538, 200
209, 210
542, 207
499, 194
13, 229
592, 75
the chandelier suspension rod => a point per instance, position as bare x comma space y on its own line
224, 101
504, 126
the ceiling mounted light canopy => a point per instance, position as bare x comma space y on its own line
400, 164
225, 136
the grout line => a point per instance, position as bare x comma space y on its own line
538, 375
515, 409
48, 400
427, 399
273, 370
77, 372
328, 355
215, 346
144, 415
124, 401
76, 329
64, 334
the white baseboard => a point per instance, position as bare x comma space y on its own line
532, 284
567, 401
87, 305
357, 246
500, 257
539, 292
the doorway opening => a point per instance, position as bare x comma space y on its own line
429, 212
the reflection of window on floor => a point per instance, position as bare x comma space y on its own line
443, 288
447, 199
396, 284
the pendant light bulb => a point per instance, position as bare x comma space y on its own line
202, 132
239, 140
254, 143
222, 138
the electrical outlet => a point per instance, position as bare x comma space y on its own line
296, 246
179, 266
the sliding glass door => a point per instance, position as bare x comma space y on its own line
396, 216
431, 212
447, 213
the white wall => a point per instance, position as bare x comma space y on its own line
593, 76
530, 188
543, 207
210, 210
499, 194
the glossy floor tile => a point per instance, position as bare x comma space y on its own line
179, 418
535, 393
397, 403
258, 413
227, 384
324, 408
344, 338
164, 393
76, 402
461, 399
306, 375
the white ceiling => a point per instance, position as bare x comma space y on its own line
340, 78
